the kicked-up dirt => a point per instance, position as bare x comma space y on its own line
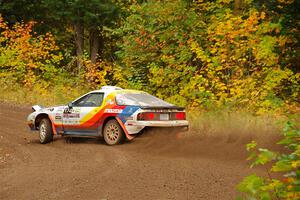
155, 165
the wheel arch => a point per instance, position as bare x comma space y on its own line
39, 118
104, 122
128, 137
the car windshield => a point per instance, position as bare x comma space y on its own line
140, 99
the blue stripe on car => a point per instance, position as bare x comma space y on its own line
127, 112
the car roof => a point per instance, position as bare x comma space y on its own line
113, 89
109, 90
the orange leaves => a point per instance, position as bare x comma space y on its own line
102, 73
212, 56
262, 15
3, 24
286, 2
33, 55
237, 57
96, 72
252, 20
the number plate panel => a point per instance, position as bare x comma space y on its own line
164, 117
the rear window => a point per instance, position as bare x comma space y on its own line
140, 99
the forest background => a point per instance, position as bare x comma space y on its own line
238, 54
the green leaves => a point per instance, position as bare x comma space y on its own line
155, 36
264, 156
287, 187
260, 156
250, 146
251, 184
282, 166
193, 53
238, 57
25, 57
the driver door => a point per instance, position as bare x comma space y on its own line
81, 118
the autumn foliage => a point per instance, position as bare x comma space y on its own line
27, 58
199, 54
207, 56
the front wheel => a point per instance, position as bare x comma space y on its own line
113, 133
45, 130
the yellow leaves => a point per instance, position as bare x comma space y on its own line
240, 60
262, 15
286, 1
252, 19
200, 53
295, 164
226, 1
213, 50
102, 73
168, 59
3, 24
282, 40
29, 54
219, 68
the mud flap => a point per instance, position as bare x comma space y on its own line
129, 137
53, 127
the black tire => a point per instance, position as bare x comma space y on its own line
45, 131
113, 133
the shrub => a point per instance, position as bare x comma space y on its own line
26, 57
288, 165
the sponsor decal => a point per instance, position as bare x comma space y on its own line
76, 110
72, 110
71, 122
57, 117
71, 115
113, 110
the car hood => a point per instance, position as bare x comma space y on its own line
39, 108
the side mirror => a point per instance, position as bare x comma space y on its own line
70, 105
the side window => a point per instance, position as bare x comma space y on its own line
89, 100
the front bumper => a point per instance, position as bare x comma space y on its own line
30, 121
31, 126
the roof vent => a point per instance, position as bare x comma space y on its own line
108, 87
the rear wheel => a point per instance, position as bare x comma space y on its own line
113, 133
45, 131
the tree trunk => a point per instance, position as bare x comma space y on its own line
79, 42
238, 4
101, 46
94, 45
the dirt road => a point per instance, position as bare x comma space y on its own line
153, 166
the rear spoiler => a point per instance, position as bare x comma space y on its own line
37, 107
163, 107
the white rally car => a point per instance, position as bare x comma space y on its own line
111, 112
